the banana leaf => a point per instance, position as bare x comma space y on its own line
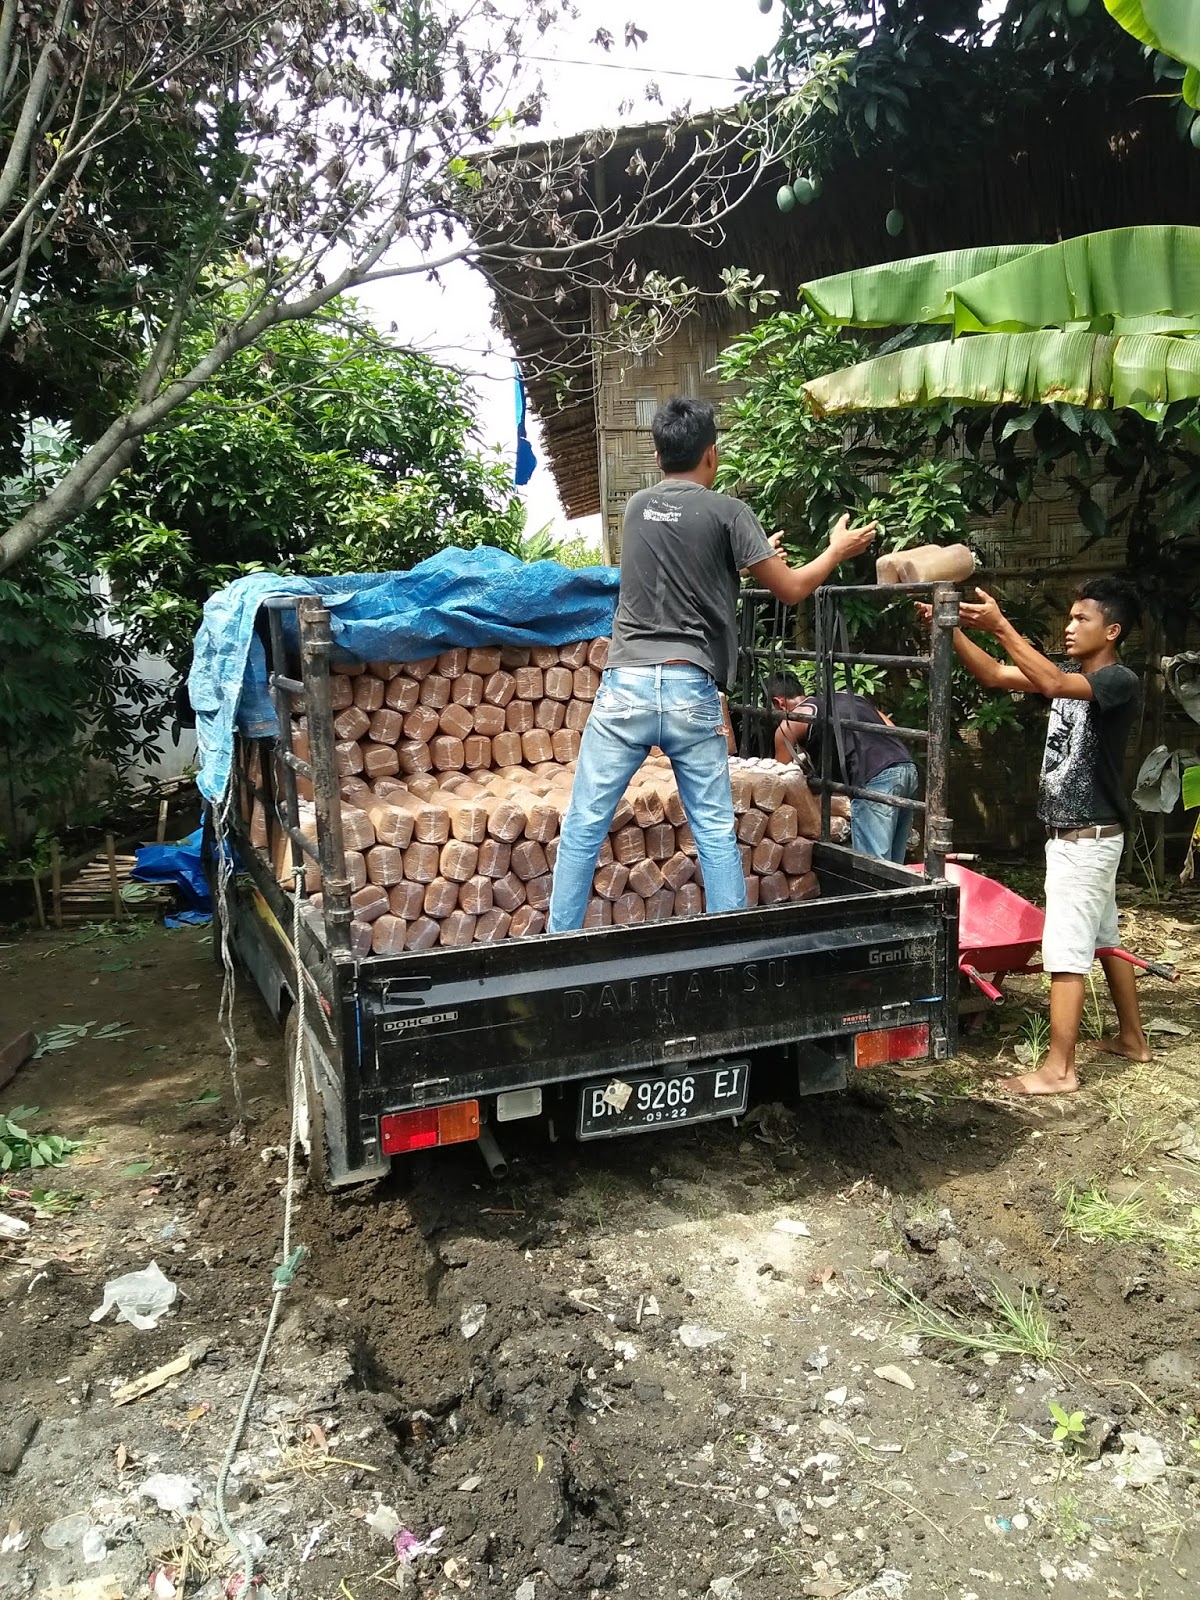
990, 369
1125, 280
1172, 26
903, 292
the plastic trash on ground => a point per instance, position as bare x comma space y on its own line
141, 1297
170, 1491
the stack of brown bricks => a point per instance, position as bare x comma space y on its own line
455, 775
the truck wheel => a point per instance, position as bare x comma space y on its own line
310, 1114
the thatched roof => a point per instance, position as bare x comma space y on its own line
1069, 170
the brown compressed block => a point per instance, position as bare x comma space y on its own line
622, 816
839, 805
741, 786
550, 715
542, 821
360, 939
577, 714
629, 844
782, 824
751, 890
492, 926
629, 909
441, 898
566, 745
506, 750
598, 914
648, 809
574, 654
551, 849
435, 692
673, 808
407, 900
387, 726
660, 841
926, 563
520, 716
745, 856
459, 861
458, 929
467, 691
491, 720
421, 862
597, 655
645, 879
808, 812
430, 818
536, 745
689, 900
804, 887
751, 826
402, 695
421, 725
259, 836
508, 892
528, 859
358, 833
772, 888
685, 840
660, 905
380, 760
678, 870
769, 790
341, 691
454, 783
526, 921
609, 882
767, 857
495, 858
456, 722
560, 682
447, 753
387, 670
385, 864
475, 895
421, 669
506, 819
355, 792
351, 723
356, 869
468, 820
537, 892
422, 786
584, 683
477, 753
348, 758
413, 756
529, 681
388, 935
452, 663
423, 934
544, 655
484, 660
368, 692
513, 656
797, 857
352, 668
499, 688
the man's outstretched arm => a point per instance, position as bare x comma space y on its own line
1040, 674
793, 584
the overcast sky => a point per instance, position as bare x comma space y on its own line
692, 50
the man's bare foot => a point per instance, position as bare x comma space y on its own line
1118, 1045
1046, 1080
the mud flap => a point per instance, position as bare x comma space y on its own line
821, 1065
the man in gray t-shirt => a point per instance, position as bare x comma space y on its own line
673, 649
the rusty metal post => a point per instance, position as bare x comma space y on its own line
316, 645
938, 840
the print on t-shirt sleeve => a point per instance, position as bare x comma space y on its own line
1113, 685
747, 540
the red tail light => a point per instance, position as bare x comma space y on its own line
892, 1044
402, 1131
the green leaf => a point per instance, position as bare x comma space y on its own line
901, 292
136, 1169
1172, 26
1191, 787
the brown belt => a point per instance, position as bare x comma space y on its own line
1091, 830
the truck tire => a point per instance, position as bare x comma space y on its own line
310, 1115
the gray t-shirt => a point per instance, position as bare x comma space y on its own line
682, 549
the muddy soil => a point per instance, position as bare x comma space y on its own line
755, 1361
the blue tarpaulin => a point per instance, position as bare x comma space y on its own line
456, 598
179, 864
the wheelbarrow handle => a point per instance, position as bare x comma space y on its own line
981, 983
1157, 969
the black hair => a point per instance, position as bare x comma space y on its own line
784, 686
683, 430
1118, 600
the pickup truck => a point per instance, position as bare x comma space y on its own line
608, 1031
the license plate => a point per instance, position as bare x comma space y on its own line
640, 1104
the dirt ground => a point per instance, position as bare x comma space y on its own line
678, 1365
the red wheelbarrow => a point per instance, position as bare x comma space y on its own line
999, 933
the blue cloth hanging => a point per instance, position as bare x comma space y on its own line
526, 460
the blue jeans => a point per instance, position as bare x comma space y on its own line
879, 830
678, 709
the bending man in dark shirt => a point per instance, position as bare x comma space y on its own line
1082, 804
674, 647
878, 761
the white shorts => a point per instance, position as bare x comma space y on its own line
1081, 901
